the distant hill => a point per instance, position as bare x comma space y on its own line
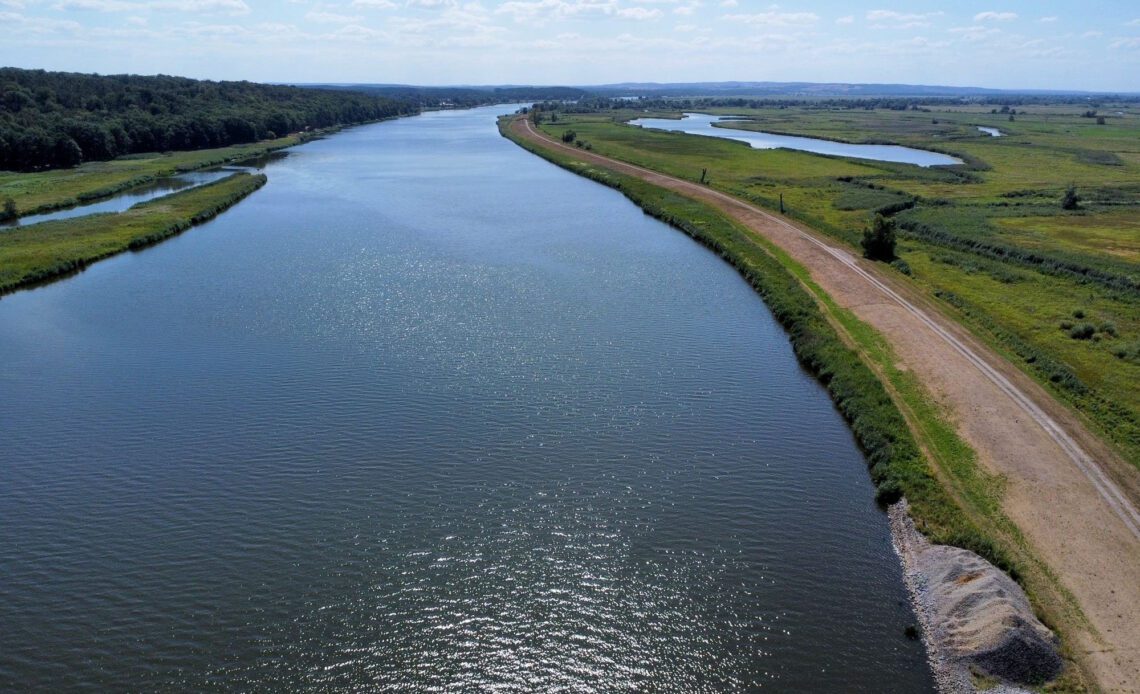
60, 119
807, 90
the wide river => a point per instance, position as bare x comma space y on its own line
427, 413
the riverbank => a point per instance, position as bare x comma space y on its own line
50, 250
47, 191
1005, 472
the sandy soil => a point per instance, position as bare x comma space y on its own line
1072, 498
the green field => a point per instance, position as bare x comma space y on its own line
48, 250
1056, 290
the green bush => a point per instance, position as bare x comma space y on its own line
1084, 331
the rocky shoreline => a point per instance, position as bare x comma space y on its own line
975, 620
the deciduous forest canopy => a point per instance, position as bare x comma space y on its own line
60, 119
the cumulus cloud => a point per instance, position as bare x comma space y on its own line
995, 16
375, 4
900, 20
639, 13
1048, 20
524, 10
774, 18
849, 19
319, 17
233, 7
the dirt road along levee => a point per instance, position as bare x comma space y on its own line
1071, 497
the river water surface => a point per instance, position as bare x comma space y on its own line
427, 413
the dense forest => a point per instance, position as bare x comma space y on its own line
61, 119
463, 97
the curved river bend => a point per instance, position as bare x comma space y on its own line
428, 413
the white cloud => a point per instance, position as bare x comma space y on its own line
375, 4
995, 16
539, 10
849, 19
232, 7
881, 19
1092, 34
638, 13
728, 3
320, 17
974, 33
1048, 20
1132, 43
1133, 23
774, 18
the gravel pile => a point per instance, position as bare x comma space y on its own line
975, 618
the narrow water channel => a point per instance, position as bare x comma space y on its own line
705, 124
427, 413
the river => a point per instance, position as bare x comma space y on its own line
427, 413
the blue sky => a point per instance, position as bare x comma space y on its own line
1050, 45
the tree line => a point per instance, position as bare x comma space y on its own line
60, 119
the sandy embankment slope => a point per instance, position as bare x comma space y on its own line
1072, 498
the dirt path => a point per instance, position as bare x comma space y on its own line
1072, 498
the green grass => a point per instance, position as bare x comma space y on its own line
988, 239
34, 193
48, 250
953, 500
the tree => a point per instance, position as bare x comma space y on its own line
879, 239
1100, 120
569, 136
1070, 200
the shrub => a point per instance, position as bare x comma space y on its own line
879, 239
8, 211
1084, 331
1079, 313
1066, 324
569, 136
1108, 328
902, 266
1070, 200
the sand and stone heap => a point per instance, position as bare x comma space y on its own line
975, 618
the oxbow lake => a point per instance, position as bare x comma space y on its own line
705, 124
428, 413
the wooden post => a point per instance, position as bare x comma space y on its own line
781, 203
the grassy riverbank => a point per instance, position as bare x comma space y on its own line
953, 501
45, 251
1055, 290
35, 193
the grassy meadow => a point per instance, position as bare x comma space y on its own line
1057, 290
